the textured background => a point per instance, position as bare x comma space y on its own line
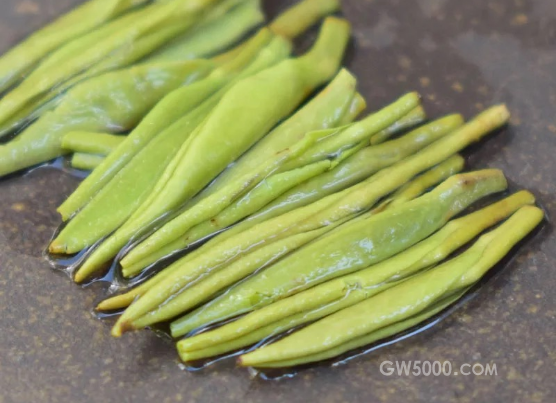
462, 56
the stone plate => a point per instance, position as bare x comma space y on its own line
462, 56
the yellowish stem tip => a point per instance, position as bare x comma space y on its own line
57, 248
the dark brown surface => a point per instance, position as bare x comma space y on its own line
462, 56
